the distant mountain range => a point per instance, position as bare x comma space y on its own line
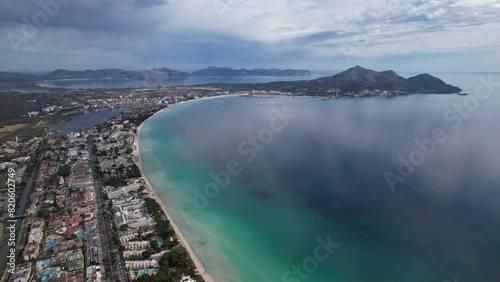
353, 80
216, 71
159, 73
152, 74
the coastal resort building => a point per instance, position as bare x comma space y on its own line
132, 212
118, 192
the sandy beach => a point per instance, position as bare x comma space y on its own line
138, 161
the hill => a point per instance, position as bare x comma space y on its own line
361, 81
16, 77
12, 107
159, 73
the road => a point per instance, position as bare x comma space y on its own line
108, 247
20, 209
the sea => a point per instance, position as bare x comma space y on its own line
385, 189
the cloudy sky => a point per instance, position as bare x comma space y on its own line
405, 35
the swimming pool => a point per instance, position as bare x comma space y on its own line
48, 275
50, 244
142, 272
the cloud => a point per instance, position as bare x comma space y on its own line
195, 33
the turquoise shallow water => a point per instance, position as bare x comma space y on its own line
322, 179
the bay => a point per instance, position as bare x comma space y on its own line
322, 178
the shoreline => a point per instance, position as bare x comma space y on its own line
152, 194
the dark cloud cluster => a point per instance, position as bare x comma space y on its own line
189, 34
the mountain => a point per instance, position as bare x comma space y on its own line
354, 81
16, 77
11, 107
163, 74
358, 79
361, 81
159, 73
216, 71
152, 74
426, 83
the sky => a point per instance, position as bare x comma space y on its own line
405, 35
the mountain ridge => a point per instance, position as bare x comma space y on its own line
353, 80
358, 80
227, 71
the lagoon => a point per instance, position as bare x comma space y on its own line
84, 121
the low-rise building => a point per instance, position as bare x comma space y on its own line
67, 245
132, 212
23, 273
30, 251
69, 256
185, 278
117, 192
36, 231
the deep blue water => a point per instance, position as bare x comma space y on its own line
324, 175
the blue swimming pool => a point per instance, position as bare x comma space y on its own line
50, 244
43, 264
48, 275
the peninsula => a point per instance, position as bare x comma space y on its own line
358, 81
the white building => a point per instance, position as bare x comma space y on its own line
185, 278
132, 212
117, 192
33, 114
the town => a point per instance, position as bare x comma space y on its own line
87, 213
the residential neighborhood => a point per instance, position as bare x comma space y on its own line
88, 215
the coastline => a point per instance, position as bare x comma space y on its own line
152, 194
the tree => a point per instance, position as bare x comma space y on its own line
44, 213
64, 171
147, 253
